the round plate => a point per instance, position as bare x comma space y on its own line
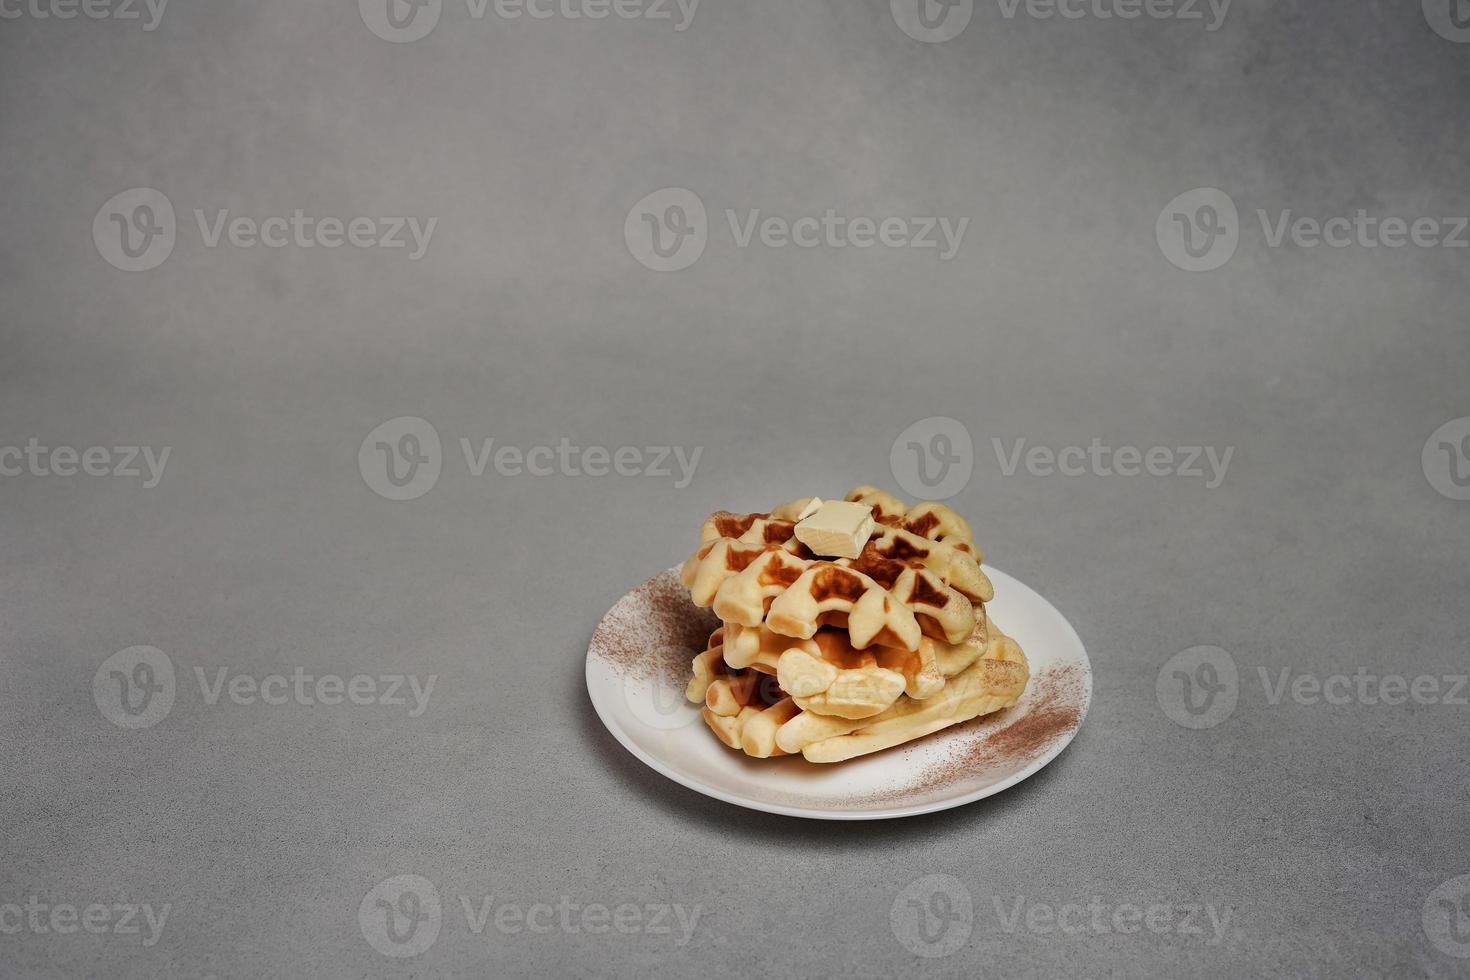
639, 663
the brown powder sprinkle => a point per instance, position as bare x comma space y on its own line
1051, 709
654, 630
1017, 736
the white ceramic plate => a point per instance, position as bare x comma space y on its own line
638, 666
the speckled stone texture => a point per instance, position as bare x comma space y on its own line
268, 829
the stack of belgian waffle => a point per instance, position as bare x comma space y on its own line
847, 627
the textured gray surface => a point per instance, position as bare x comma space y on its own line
1323, 829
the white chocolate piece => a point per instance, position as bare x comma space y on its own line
838, 529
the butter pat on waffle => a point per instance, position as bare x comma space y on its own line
847, 627
836, 528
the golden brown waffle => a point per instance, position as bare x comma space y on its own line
743, 707
992, 682
918, 575
752, 711
828, 674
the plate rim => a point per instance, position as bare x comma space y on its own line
887, 813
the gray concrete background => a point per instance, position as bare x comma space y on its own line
1323, 830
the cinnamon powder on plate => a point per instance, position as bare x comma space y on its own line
653, 631
1012, 739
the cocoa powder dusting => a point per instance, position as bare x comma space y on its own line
1013, 738
1051, 709
655, 630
